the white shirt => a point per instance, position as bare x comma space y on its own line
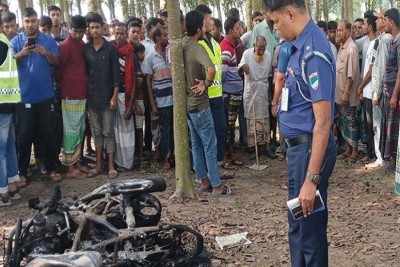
370, 57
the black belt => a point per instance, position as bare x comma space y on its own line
194, 110
298, 140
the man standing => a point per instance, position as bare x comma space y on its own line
266, 29
11, 94
124, 126
246, 38
102, 63
332, 31
36, 54
72, 78
324, 27
378, 70
55, 15
200, 74
159, 88
217, 31
391, 89
305, 118
232, 83
364, 90
347, 81
134, 31
4, 7
215, 89
256, 62
10, 26
357, 29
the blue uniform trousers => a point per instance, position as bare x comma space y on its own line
307, 236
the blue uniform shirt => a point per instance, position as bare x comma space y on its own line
34, 71
320, 76
284, 56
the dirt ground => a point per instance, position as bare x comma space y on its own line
364, 219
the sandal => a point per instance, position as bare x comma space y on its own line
227, 166
167, 165
55, 177
112, 174
14, 195
5, 200
22, 182
353, 160
227, 175
93, 173
342, 156
206, 190
83, 169
225, 193
76, 174
237, 162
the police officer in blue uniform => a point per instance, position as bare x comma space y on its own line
305, 117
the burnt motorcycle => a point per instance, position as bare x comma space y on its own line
116, 224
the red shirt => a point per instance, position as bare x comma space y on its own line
72, 75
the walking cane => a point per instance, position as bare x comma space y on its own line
258, 167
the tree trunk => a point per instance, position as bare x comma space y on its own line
66, 11
156, 6
125, 9
41, 7
248, 11
78, 5
71, 7
201, 2
318, 10
256, 6
218, 6
350, 10
398, 4
308, 5
326, 10
111, 7
343, 9
29, 3
140, 8
61, 5
92, 5
151, 7
184, 185
101, 12
22, 5
132, 8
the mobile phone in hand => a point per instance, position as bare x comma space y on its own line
31, 41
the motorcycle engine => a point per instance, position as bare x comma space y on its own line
46, 235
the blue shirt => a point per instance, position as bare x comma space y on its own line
320, 76
34, 71
284, 55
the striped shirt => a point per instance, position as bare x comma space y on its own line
162, 78
231, 80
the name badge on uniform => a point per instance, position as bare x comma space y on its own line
284, 99
28, 106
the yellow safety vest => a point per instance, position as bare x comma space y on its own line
215, 89
9, 85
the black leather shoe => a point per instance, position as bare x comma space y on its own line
271, 154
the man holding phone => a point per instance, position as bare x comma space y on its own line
36, 54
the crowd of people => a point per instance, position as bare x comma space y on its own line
113, 82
